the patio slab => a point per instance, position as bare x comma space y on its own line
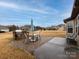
54, 49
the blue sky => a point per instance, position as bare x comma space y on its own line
43, 12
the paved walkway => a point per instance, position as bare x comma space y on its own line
54, 49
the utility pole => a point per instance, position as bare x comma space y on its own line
32, 26
32, 29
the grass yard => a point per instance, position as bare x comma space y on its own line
51, 33
9, 52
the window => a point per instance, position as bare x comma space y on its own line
70, 30
70, 27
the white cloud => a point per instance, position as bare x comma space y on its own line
44, 10
9, 5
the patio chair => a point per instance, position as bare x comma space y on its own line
72, 39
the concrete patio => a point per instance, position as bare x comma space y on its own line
55, 49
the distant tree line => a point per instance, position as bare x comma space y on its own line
13, 27
28, 27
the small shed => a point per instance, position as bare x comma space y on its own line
4, 29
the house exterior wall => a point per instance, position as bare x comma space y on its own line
75, 25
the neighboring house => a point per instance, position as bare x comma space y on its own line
72, 23
26, 27
4, 29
